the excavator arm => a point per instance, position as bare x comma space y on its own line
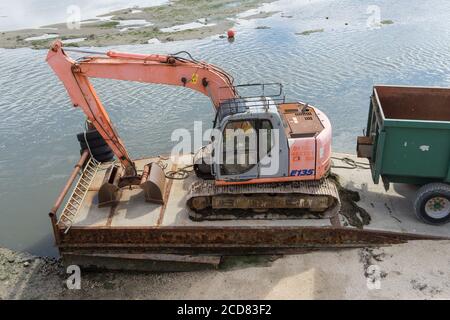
159, 69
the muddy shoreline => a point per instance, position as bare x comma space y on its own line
176, 20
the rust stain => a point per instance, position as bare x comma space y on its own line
112, 212
335, 222
225, 237
166, 198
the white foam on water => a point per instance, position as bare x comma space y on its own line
134, 23
153, 41
74, 40
45, 36
99, 19
187, 26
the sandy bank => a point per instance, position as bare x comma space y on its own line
177, 20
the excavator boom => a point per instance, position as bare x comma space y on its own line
159, 69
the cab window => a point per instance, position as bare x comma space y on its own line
239, 147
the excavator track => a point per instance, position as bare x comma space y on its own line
288, 200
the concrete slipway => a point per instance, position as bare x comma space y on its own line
415, 270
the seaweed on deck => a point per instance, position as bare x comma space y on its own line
356, 216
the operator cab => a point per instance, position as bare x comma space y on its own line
262, 136
249, 142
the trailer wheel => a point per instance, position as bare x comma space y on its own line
432, 204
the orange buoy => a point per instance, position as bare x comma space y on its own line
230, 33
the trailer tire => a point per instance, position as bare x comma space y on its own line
432, 203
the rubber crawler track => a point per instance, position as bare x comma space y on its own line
207, 188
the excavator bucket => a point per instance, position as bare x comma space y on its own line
109, 193
153, 182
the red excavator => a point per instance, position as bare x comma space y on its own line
285, 169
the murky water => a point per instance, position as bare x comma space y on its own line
333, 70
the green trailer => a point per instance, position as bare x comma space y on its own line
407, 140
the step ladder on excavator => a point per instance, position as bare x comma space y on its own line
75, 201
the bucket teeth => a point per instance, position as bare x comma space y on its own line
152, 183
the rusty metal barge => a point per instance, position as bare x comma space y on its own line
137, 235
